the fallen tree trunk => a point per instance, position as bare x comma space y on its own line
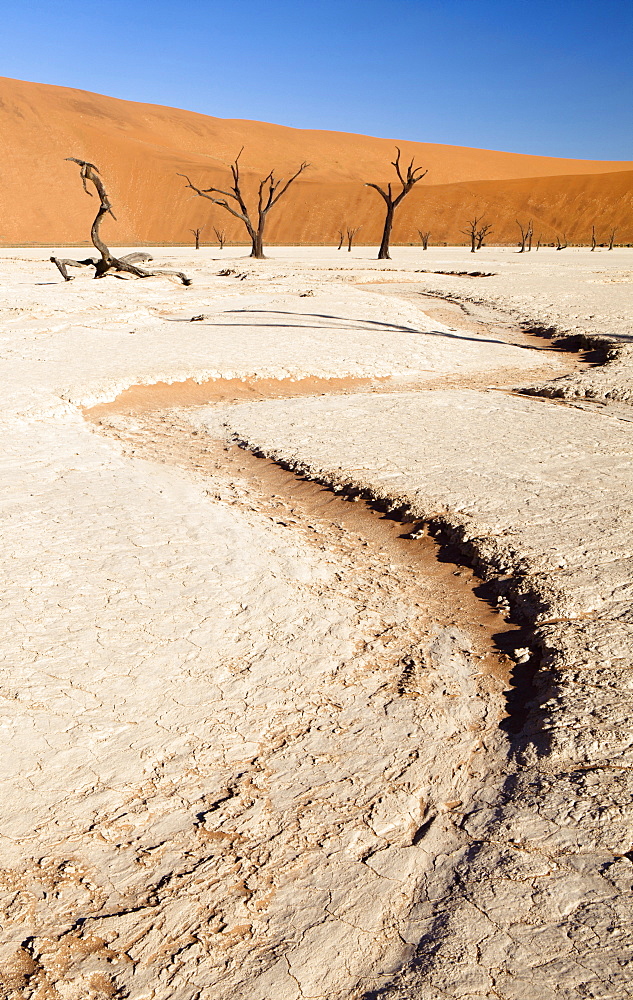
62, 263
107, 262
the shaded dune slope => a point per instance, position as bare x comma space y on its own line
140, 149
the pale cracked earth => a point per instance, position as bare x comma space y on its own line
245, 753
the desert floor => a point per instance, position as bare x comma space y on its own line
317, 626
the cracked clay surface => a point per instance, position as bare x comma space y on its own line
246, 756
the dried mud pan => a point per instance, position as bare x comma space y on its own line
546, 850
253, 756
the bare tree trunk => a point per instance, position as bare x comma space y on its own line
482, 233
593, 238
424, 237
611, 239
196, 233
383, 253
220, 235
270, 191
526, 235
138, 257
351, 233
107, 261
257, 250
472, 232
413, 175
340, 239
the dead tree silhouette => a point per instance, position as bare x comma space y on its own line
412, 177
196, 233
270, 191
482, 233
424, 238
339, 233
561, 244
471, 231
107, 262
351, 233
526, 235
220, 236
611, 238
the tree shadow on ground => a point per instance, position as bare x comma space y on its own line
368, 324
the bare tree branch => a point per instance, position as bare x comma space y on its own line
269, 192
424, 237
107, 262
471, 231
412, 177
351, 233
196, 233
526, 235
481, 234
138, 257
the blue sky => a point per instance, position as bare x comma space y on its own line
552, 77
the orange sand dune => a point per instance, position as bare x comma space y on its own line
140, 149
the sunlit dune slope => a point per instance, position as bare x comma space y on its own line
140, 149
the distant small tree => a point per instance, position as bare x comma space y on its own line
593, 238
351, 233
611, 238
424, 237
196, 233
561, 244
220, 236
482, 233
270, 191
526, 235
407, 182
341, 237
471, 231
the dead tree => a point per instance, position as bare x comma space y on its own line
561, 244
196, 233
107, 262
220, 236
412, 177
482, 233
351, 233
611, 239
62, 263
424, 236
341, 237
471, 231
593, 239
270, 191
526, 235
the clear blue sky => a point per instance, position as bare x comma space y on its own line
553, 77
